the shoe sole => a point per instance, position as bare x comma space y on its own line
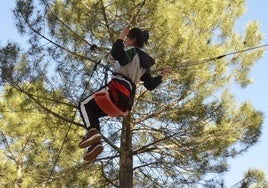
90, 157
92, 140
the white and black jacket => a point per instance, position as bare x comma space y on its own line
134, 64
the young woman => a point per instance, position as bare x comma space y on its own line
133, 65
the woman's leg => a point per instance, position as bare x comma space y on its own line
90, 113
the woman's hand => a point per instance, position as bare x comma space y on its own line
165, 71
124, 32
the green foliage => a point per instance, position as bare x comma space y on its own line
31, 142
254, 178
8, 57
182, 133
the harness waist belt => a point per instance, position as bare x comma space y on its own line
123, 78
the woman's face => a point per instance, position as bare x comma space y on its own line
130, 42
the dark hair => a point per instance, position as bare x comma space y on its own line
141, 36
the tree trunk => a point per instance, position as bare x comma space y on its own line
18, 180
126, 158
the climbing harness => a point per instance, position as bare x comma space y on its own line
104, 101
107, 98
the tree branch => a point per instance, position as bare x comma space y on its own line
45, 108
54, 43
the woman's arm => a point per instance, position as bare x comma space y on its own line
150, 82
118, 52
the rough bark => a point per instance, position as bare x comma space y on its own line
126, 158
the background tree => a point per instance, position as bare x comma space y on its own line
31, 141
254, 178
183, 132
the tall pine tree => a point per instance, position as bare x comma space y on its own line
183, 132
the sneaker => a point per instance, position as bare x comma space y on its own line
90, 138
93, 152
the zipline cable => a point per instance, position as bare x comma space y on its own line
189, 64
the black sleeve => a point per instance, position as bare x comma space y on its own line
119, 53
150, 82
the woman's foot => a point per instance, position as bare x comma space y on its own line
93, 136
93, 151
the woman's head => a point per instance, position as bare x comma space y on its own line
136, 37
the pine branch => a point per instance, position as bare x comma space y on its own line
7, 146
39, 103
53, 42
111, 182
65, 25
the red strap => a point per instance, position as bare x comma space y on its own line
114, 93
120, 88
